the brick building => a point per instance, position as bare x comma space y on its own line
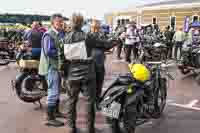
163, 13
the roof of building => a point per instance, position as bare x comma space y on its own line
171, 2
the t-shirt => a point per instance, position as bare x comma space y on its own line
131, 36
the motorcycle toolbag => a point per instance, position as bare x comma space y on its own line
30, 64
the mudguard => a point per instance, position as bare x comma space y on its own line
132, 98
19, 78
112, 95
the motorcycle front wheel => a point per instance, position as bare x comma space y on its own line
127, 124
160, 98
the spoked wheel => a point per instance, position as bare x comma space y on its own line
160, 98
163, 56
4, 58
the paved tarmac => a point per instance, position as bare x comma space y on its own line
182, 113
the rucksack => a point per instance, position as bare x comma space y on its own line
35, 39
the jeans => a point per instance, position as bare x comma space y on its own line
178, 46
54, 84
129, 49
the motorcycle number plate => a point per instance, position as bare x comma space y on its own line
112, 111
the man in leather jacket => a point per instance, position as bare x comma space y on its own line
86, 84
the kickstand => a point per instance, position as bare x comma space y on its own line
40, 105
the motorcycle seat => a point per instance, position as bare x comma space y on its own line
29, 64
121, 80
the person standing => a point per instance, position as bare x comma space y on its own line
79, 83
131, 42
178, 38
121, 34
87, 85
34, 37
168, 38
50, 64
101, 45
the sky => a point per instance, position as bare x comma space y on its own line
89, 8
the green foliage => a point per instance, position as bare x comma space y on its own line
22, 18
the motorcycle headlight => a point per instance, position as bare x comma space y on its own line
130, 89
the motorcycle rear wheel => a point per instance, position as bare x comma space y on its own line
28, 90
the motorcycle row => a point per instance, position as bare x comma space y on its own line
9, 43
126, 98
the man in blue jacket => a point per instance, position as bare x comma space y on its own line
50, 62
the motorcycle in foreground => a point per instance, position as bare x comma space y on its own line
123, 103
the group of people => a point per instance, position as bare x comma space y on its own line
48, 48
132, 38
53, 65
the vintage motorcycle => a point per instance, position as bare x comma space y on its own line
191, 51
30, 87
190, 58
153, 48
123, 102
4, 51
7, 51
155, 52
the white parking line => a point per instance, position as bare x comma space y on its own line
187, 106
192, 103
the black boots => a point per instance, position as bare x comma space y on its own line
51, 118
58, 114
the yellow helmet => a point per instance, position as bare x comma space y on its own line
139, 72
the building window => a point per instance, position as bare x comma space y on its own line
127, 21
195, 18
173, 22
118, 22
154, 20
123, 21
